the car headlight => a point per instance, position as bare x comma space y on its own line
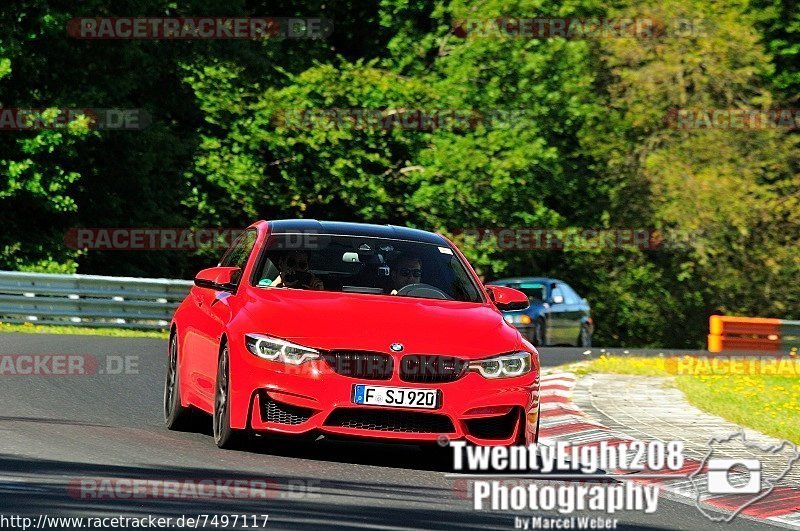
517, 318
274, 349
505, 366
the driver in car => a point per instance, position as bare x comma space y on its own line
294, 273
407, 270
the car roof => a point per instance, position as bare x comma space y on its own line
342, 228
518, 280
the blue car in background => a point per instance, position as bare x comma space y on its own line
556, 315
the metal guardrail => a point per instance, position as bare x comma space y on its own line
752, 333
89, 300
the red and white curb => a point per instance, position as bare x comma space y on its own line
562, 420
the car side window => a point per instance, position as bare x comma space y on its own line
240, 251
556, 292
570, 297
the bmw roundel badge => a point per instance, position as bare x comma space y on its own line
397, 347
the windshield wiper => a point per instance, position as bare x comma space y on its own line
362, 289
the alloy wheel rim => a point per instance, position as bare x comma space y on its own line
222, 395
169, 389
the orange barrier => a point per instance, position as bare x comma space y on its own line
751, 333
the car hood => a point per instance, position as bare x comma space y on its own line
373, 322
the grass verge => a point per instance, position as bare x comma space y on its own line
769, 403
30, 328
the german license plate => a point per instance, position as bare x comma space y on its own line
376, 395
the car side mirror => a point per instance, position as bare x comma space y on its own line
220, 278
508, 299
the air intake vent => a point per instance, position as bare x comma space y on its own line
384, 420
274, 411
501, 427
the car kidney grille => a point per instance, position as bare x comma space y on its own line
358, 364
432, 369
274, 411
384, 420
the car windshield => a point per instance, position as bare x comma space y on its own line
534, 291
361, 264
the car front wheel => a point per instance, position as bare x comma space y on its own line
225, 436
176, 417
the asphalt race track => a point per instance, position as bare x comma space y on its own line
58, 430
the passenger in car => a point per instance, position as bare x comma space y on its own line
294, 272
405, 270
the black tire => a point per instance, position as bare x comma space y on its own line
585, 338
225, 436
176, 417
538, 335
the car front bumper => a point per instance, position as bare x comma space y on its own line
312, 397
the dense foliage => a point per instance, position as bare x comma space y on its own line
584, 143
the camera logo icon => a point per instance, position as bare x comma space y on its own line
734, 476
732, 472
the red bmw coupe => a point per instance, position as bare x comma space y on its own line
382, 332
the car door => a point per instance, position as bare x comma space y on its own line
573, 314
556, 315
213, 314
